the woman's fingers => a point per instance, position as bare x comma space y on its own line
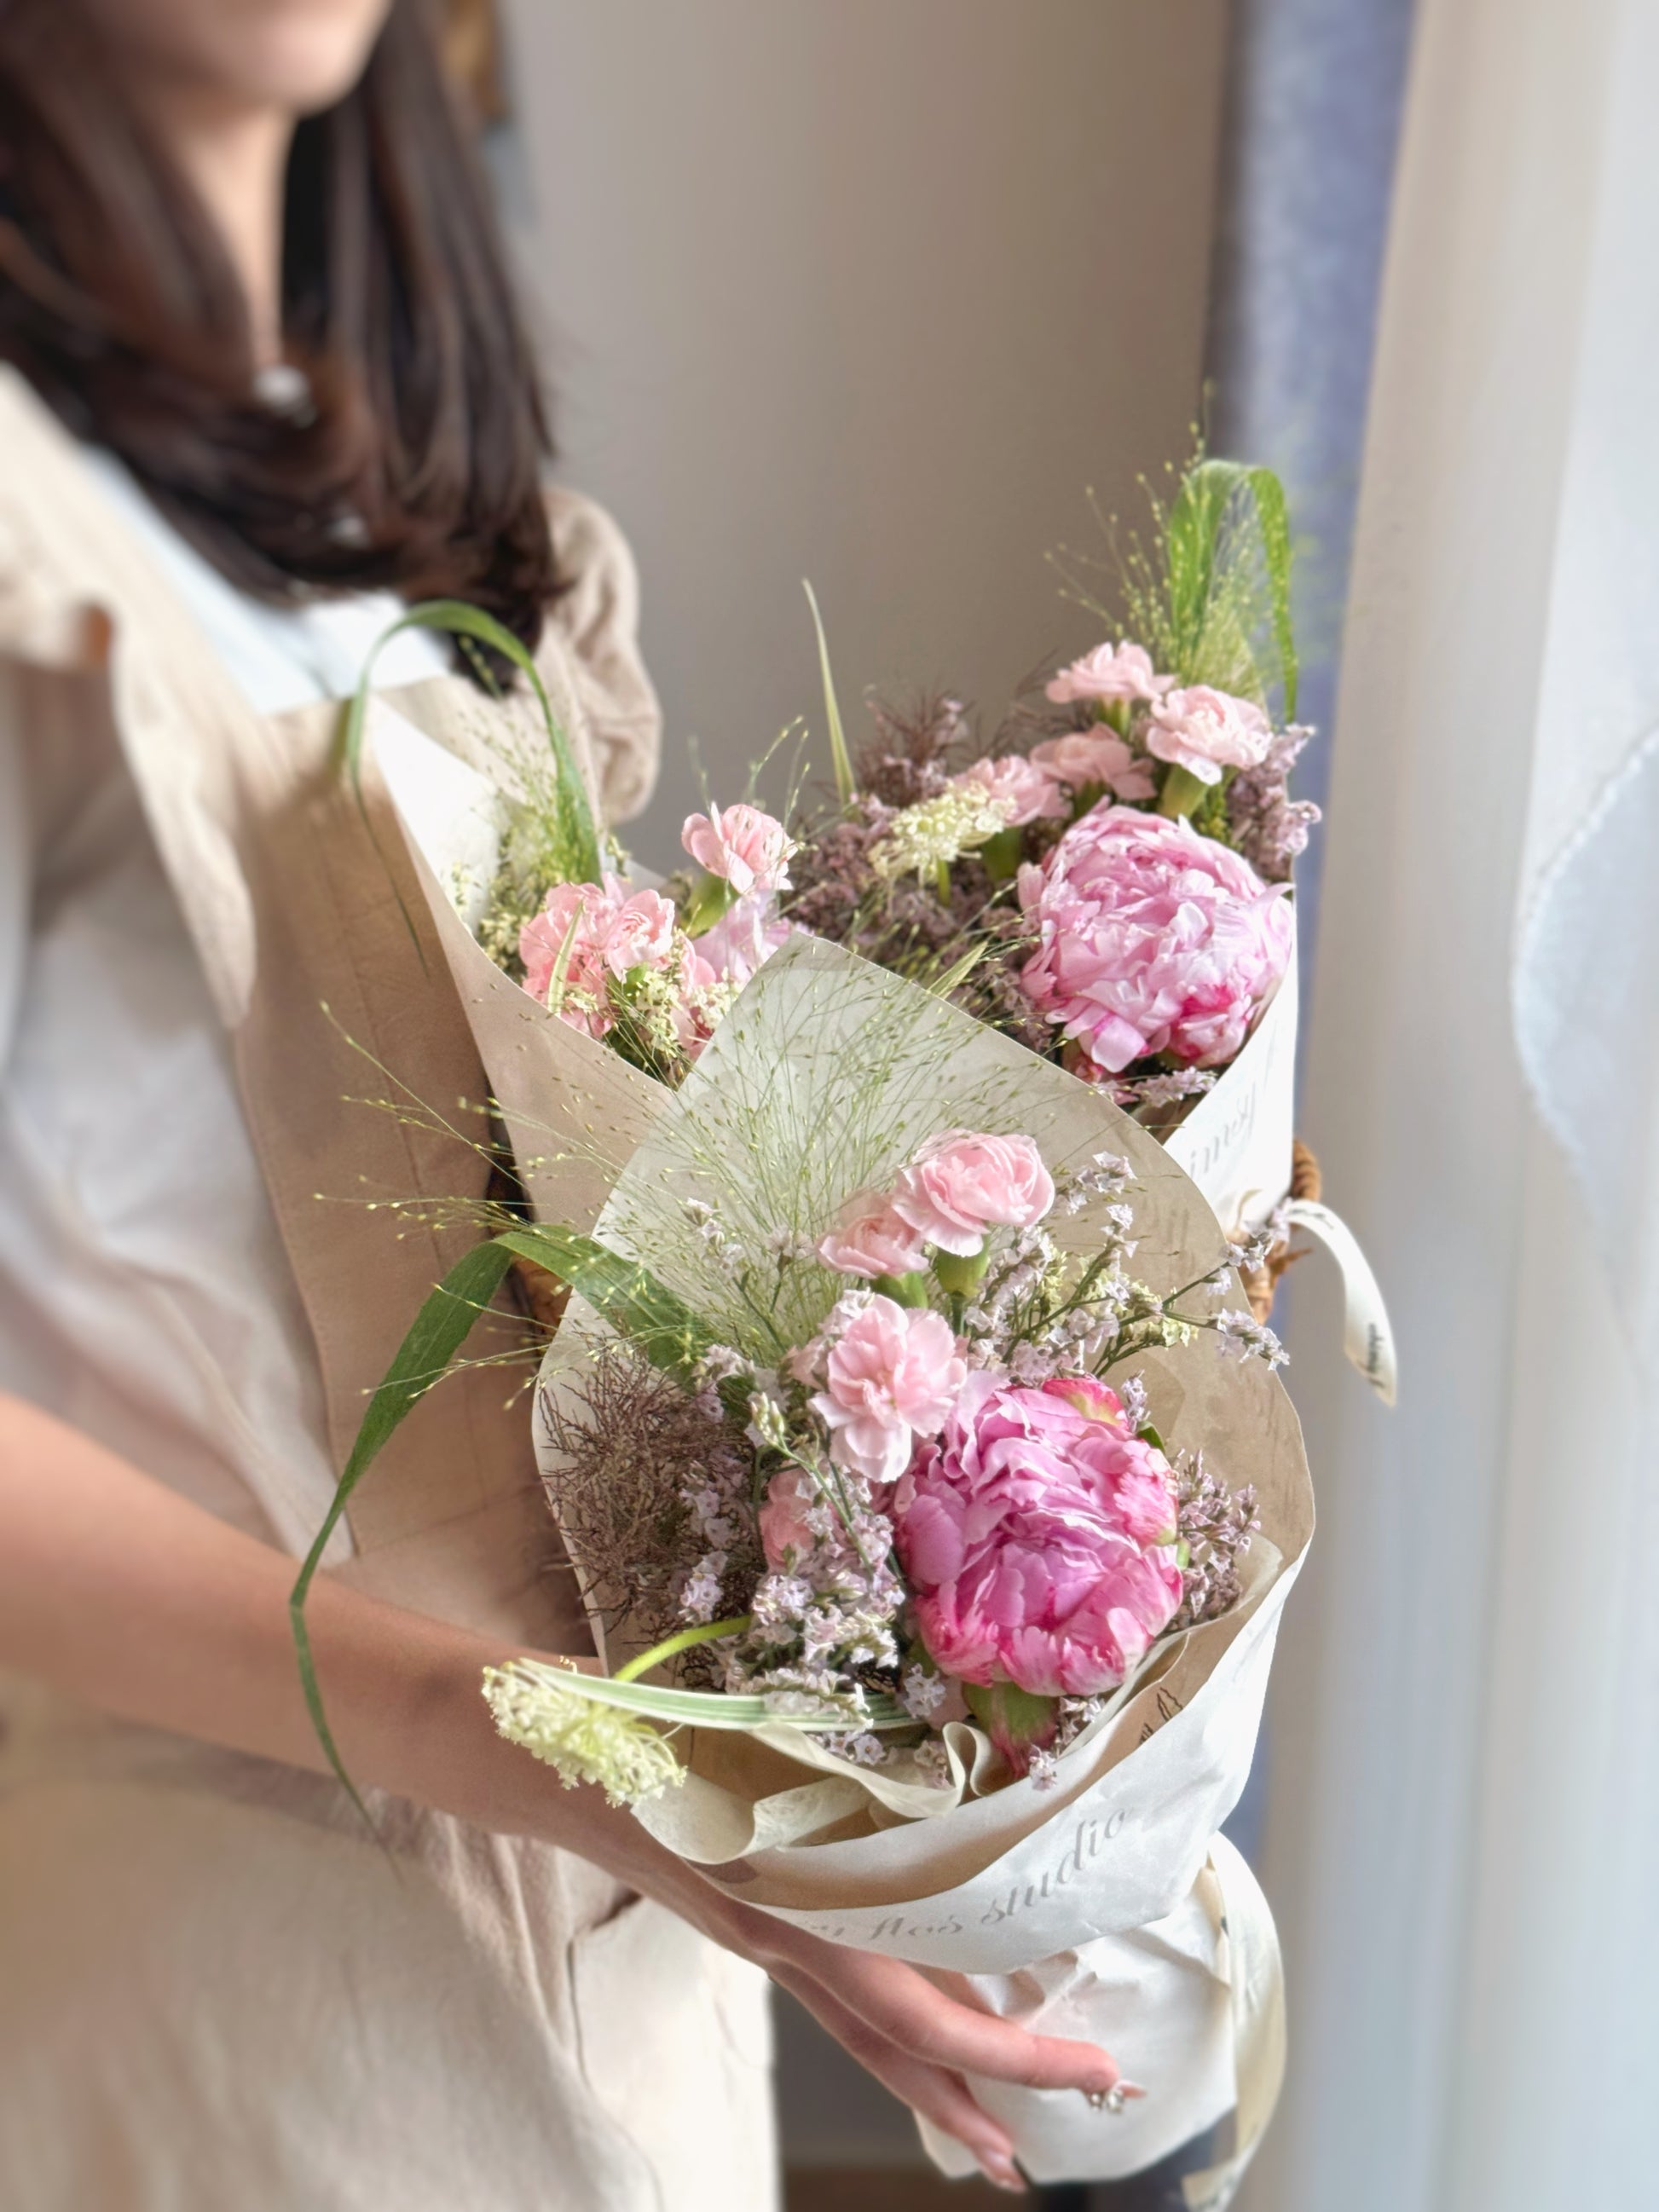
908, 2010
938, 2095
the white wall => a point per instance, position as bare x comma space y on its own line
870, 291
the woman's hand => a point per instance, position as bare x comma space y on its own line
116, 1589
917, 2040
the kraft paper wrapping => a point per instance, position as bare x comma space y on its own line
1107, 1908
576, 1108
574, 1111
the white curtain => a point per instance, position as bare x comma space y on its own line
1464, 1806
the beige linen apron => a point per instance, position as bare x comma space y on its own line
502, 2028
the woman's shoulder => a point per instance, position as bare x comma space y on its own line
46, 519
593, 625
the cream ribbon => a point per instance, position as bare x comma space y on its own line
1367, 1333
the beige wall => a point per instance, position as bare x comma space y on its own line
870, 291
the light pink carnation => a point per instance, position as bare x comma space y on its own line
1096, 756
615, 929
639, 930
1153, 939
748, 849
744, 939
872, 1239
1205, 731
962, 1183
1028, 794
791, 1497
1039, 1539
891, 1376
1109, 673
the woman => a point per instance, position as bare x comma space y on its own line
263, 381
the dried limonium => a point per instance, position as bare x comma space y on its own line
643, 1478
1215, 1524
1264, 824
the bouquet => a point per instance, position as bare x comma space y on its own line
934, 1501
1110, 885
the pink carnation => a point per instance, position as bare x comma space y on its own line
1109, 673
1086, 757
891, 1376
748, 849
1205, 731
1153, 939
1038, 1538
785, 1518
872, 1239
615, 929
744, 939
961, 1184
1028, 794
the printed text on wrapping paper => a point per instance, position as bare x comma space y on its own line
1085, 1843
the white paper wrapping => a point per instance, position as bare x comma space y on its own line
1235, 1143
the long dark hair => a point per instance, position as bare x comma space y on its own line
414, 464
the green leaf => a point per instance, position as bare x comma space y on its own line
716, 1709
840, 759
576, 844
629, 1297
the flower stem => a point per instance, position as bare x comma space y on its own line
1181, 792
1001, 855
708, 1631
959, 1274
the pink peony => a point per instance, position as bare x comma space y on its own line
1086, 757
891, 1376
960, 1184
744, 939
747, 848
1039, 1540
1028, 795
1205, 731
1109, 673
785, 1526
1153, 940
615, 929
872, 1239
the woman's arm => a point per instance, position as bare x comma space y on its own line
119, 1591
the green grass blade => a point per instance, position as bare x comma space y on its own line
1272, 521
840, 759
1210, 495
437, 1332
627, 1296
637, 1305
577, 843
